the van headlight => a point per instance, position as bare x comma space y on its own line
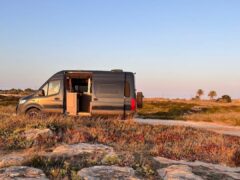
22, 101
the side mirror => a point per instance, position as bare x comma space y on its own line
41, 92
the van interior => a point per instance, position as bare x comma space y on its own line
79, 93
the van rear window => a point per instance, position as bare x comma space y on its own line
127, 89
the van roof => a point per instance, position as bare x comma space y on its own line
99, 71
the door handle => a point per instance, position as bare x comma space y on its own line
95, 99
56, 99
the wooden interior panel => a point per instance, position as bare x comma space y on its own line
72, 103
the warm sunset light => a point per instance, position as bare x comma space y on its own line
175, 47
120, 89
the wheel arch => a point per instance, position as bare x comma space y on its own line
31, 106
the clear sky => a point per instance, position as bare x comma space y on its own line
174, 46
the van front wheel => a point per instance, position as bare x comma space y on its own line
33, 113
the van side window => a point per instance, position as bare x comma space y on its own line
54, 87
108, 90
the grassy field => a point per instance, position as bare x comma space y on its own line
8, 100
208, 111
137, 144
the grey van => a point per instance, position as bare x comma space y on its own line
83, 93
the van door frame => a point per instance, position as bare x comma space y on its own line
64, 92
124, 101
66, 73
51, 108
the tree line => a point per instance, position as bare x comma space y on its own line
212, 95
17, 91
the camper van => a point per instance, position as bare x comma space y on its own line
83, 93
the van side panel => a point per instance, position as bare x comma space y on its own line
108, 93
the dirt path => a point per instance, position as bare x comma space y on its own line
222, 129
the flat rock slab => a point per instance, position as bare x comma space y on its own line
231, 172
20, 158
22, 172
13, 159
107, 173
81, 148
178, 172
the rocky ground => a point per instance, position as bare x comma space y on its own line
12, 166
195, 170
31, 163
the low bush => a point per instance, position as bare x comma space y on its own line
225, 99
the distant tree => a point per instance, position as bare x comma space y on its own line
212, 94
200, 93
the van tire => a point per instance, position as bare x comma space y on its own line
33, 113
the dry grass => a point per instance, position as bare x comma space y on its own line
230, 118
136, 144
127, 136
235, 102
8, 100
223, 113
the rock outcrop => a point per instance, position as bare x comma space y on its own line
107, 173
81, 148
22, 172
65, 150
206, 170
178, 172
14, 159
